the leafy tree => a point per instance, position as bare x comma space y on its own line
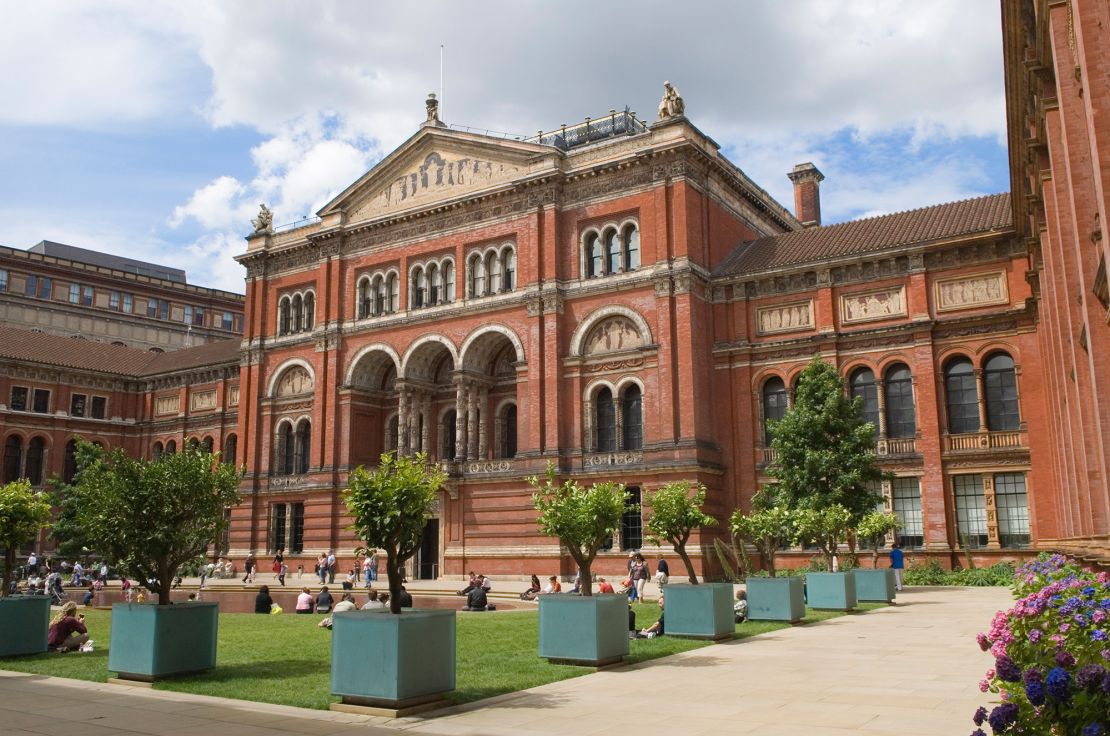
154, 515
825, 450
22, 514
768, 527
874, 527
71, 541
390, 506
826, 528
675, 514
583, 519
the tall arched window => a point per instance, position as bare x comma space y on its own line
605, 417
419, 287
632, 419
156, 451
171, 447
309, 311
448, 429
297, 310
508, 432
231, 449
493, 268
206, 444
612, 252
477, 276
284, 316
774, 405
631, 248
962, 396
364, 297
1000, 383
36, 452
303, 443
901, 418
435, 288
594, 265
394, 293
285, 449
508, 276
862, 384
13, 454
448, 281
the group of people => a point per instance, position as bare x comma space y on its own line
324, 601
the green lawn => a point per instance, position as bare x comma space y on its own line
286, 659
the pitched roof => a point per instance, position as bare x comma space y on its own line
66, 352
923, 225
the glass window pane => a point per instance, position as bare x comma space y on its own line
632, 525
1013, 509
612, 252
971, 510
901, 419
1000, 383
632, 248
863, 386
906, 504
963, 397
632, 424
774, 405
606, 421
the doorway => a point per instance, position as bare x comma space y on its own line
428, 560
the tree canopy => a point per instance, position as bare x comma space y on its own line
675, 514
874, 527
826, 528
22, 514
583, 519
153, 515
390, 507
768, 527
825, 450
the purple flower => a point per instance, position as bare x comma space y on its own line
1058, 684
1006, 669
978, 732
1003, 717
1093, 729
1098, 635
1035, 692
1035, 635
1033, 674
1090, 677
1063, 659
980, 716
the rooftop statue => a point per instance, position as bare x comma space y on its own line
264, 223
672, 104
432, 105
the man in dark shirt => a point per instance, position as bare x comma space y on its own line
476, 599
406, 598
656, 629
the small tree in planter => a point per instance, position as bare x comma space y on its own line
390, 507
675, 514
873, 529
22, 514
826, 528
153, 515
768, 527
583, 519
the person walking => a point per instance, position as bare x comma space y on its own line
639, 574
249, 565
372, 566
282, 573
279, 560
662, 571
331, 567
322, 568
898, 564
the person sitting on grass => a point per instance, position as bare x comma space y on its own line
740, 608
347, 604
406, 597
372, 602
263, 602
324, 601
67, 630
604, 586
553, 586
533, 590
89, 597
476, 599
656, 629
305, 604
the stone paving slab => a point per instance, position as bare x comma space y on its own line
909, 669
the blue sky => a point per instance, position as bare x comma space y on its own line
153, 129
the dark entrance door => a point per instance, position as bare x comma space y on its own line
429, 551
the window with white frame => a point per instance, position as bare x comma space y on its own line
377, 294
971, 510
612, 248
432, 283
296, 312
905, 498
491, 270
1012, 503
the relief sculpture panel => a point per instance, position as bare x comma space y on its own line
873, 305
293, 382
969, 292
785, 318
613, 335
166, 404
203, 401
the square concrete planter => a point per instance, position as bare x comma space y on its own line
153, 642
874, 585
700, 611
24, 624
776, 599
381, 660
835, 591
584, 630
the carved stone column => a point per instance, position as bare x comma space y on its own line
402, 421
980, 387
879, 394
472, 424
618, 422
288, 541
460, 420
588, 440
414, 423
993, 540
425, 430
483, 435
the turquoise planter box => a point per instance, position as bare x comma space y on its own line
874, 585
386, 660
152, 642
776, 599
701, 611
24, 624
587, 630
834, 591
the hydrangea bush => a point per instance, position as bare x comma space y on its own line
1052, 653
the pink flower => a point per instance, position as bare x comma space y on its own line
984, 642
984, 686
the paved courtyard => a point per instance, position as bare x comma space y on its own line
909, 669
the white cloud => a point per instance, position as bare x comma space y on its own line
219, 204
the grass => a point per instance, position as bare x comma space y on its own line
286, 659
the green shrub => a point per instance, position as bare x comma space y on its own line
930, 573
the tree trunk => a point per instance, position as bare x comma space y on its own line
875, 555
680, 548
393, 573
165, 582
9, 563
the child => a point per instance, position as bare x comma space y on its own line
740, 608
126, 585
282, 571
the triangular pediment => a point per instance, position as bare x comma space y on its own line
435, 165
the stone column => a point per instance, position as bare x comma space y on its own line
414, 423
993, 540
402, 421
880, 394
288, 528
588, 443
980, 387
472, 424
618, 422
483, 434
460, 420
425, 431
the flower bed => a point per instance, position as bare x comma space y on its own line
1052, 651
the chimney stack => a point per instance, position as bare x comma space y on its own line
807, 193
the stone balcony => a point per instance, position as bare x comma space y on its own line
985, 441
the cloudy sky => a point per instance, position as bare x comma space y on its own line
154, 129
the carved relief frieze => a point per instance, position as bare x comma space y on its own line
232, 396
613, 335
534, 305
662, 286
615, 365
294, 381
867, 306
683, 282
792, 317
167, 404
202, 401
609, 459
552, 303
976, 329
971, 292
606, 184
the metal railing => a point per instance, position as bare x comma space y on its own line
591, 130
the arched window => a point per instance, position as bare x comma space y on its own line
901, 419
962, 396
508, 432
448, 429
632, 419
631, 248
419, 287
284, 316
394, 293
364, 297
285, 449
303, 445
493, 268
13, 454
435, 289
508, 275
862, 385
297, 310
476, 283
449, 281
391, 429
171, 447
309, 311
1000, 384
231, 449
774, 405
206, 444
612, 252
593, 256
192, 443
69, 462
36, 452
605, 421
156, 451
